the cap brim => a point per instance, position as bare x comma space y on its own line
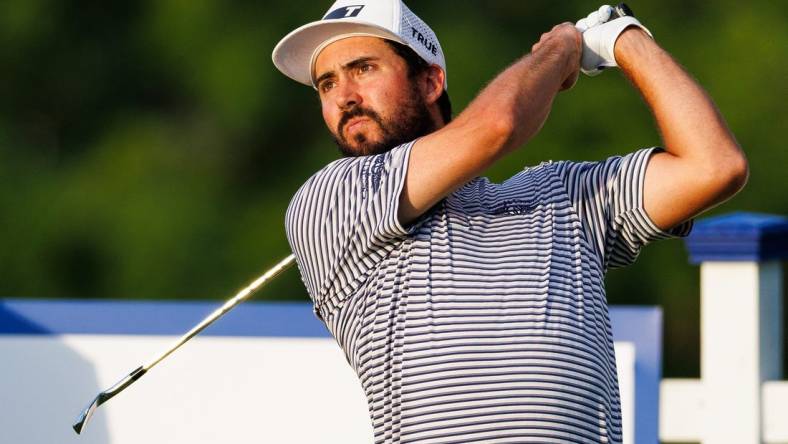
293, 54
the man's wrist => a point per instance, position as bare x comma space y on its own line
558, 53
571, 50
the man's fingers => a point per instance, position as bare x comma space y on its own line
597, 17
593, 19
604, 13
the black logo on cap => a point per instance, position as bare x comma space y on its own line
346, 12
419, 37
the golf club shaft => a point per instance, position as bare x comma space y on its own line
137, 373
227, 306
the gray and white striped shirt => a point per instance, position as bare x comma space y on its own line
486, 320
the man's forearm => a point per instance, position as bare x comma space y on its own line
512, 107
689, 122
518, 101
704, 165
509, 111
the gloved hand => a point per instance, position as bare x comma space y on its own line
599, 38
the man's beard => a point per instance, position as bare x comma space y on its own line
413, 120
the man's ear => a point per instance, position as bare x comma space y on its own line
432, 84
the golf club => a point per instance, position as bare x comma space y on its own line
137, 373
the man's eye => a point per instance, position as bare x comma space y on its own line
365, 68
327, 85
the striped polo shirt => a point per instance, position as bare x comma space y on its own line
485, 321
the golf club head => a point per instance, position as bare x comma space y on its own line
84, 417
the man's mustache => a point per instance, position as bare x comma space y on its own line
357, 111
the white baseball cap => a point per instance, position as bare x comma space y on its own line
296, 53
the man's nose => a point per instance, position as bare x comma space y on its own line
348, 95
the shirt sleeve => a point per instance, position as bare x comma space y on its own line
343, 221
608, 198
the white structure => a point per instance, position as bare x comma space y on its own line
266, 373
739, 398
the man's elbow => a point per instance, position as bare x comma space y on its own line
741, 172
731, 172
486, 131
491, 137
503, 131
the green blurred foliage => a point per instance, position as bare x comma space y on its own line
149, 149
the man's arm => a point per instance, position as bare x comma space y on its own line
506, 114
703, 164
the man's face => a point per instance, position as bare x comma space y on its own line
369, 102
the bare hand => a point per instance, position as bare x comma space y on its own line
567, 41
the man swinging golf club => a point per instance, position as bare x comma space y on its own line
473, 311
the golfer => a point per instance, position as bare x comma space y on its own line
473, 311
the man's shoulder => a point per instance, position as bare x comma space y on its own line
328, 181
331, 173
345, 169
333, 168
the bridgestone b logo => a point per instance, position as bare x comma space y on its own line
346, 12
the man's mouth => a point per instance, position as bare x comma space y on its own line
355, 124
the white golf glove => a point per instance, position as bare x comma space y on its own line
599, 38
